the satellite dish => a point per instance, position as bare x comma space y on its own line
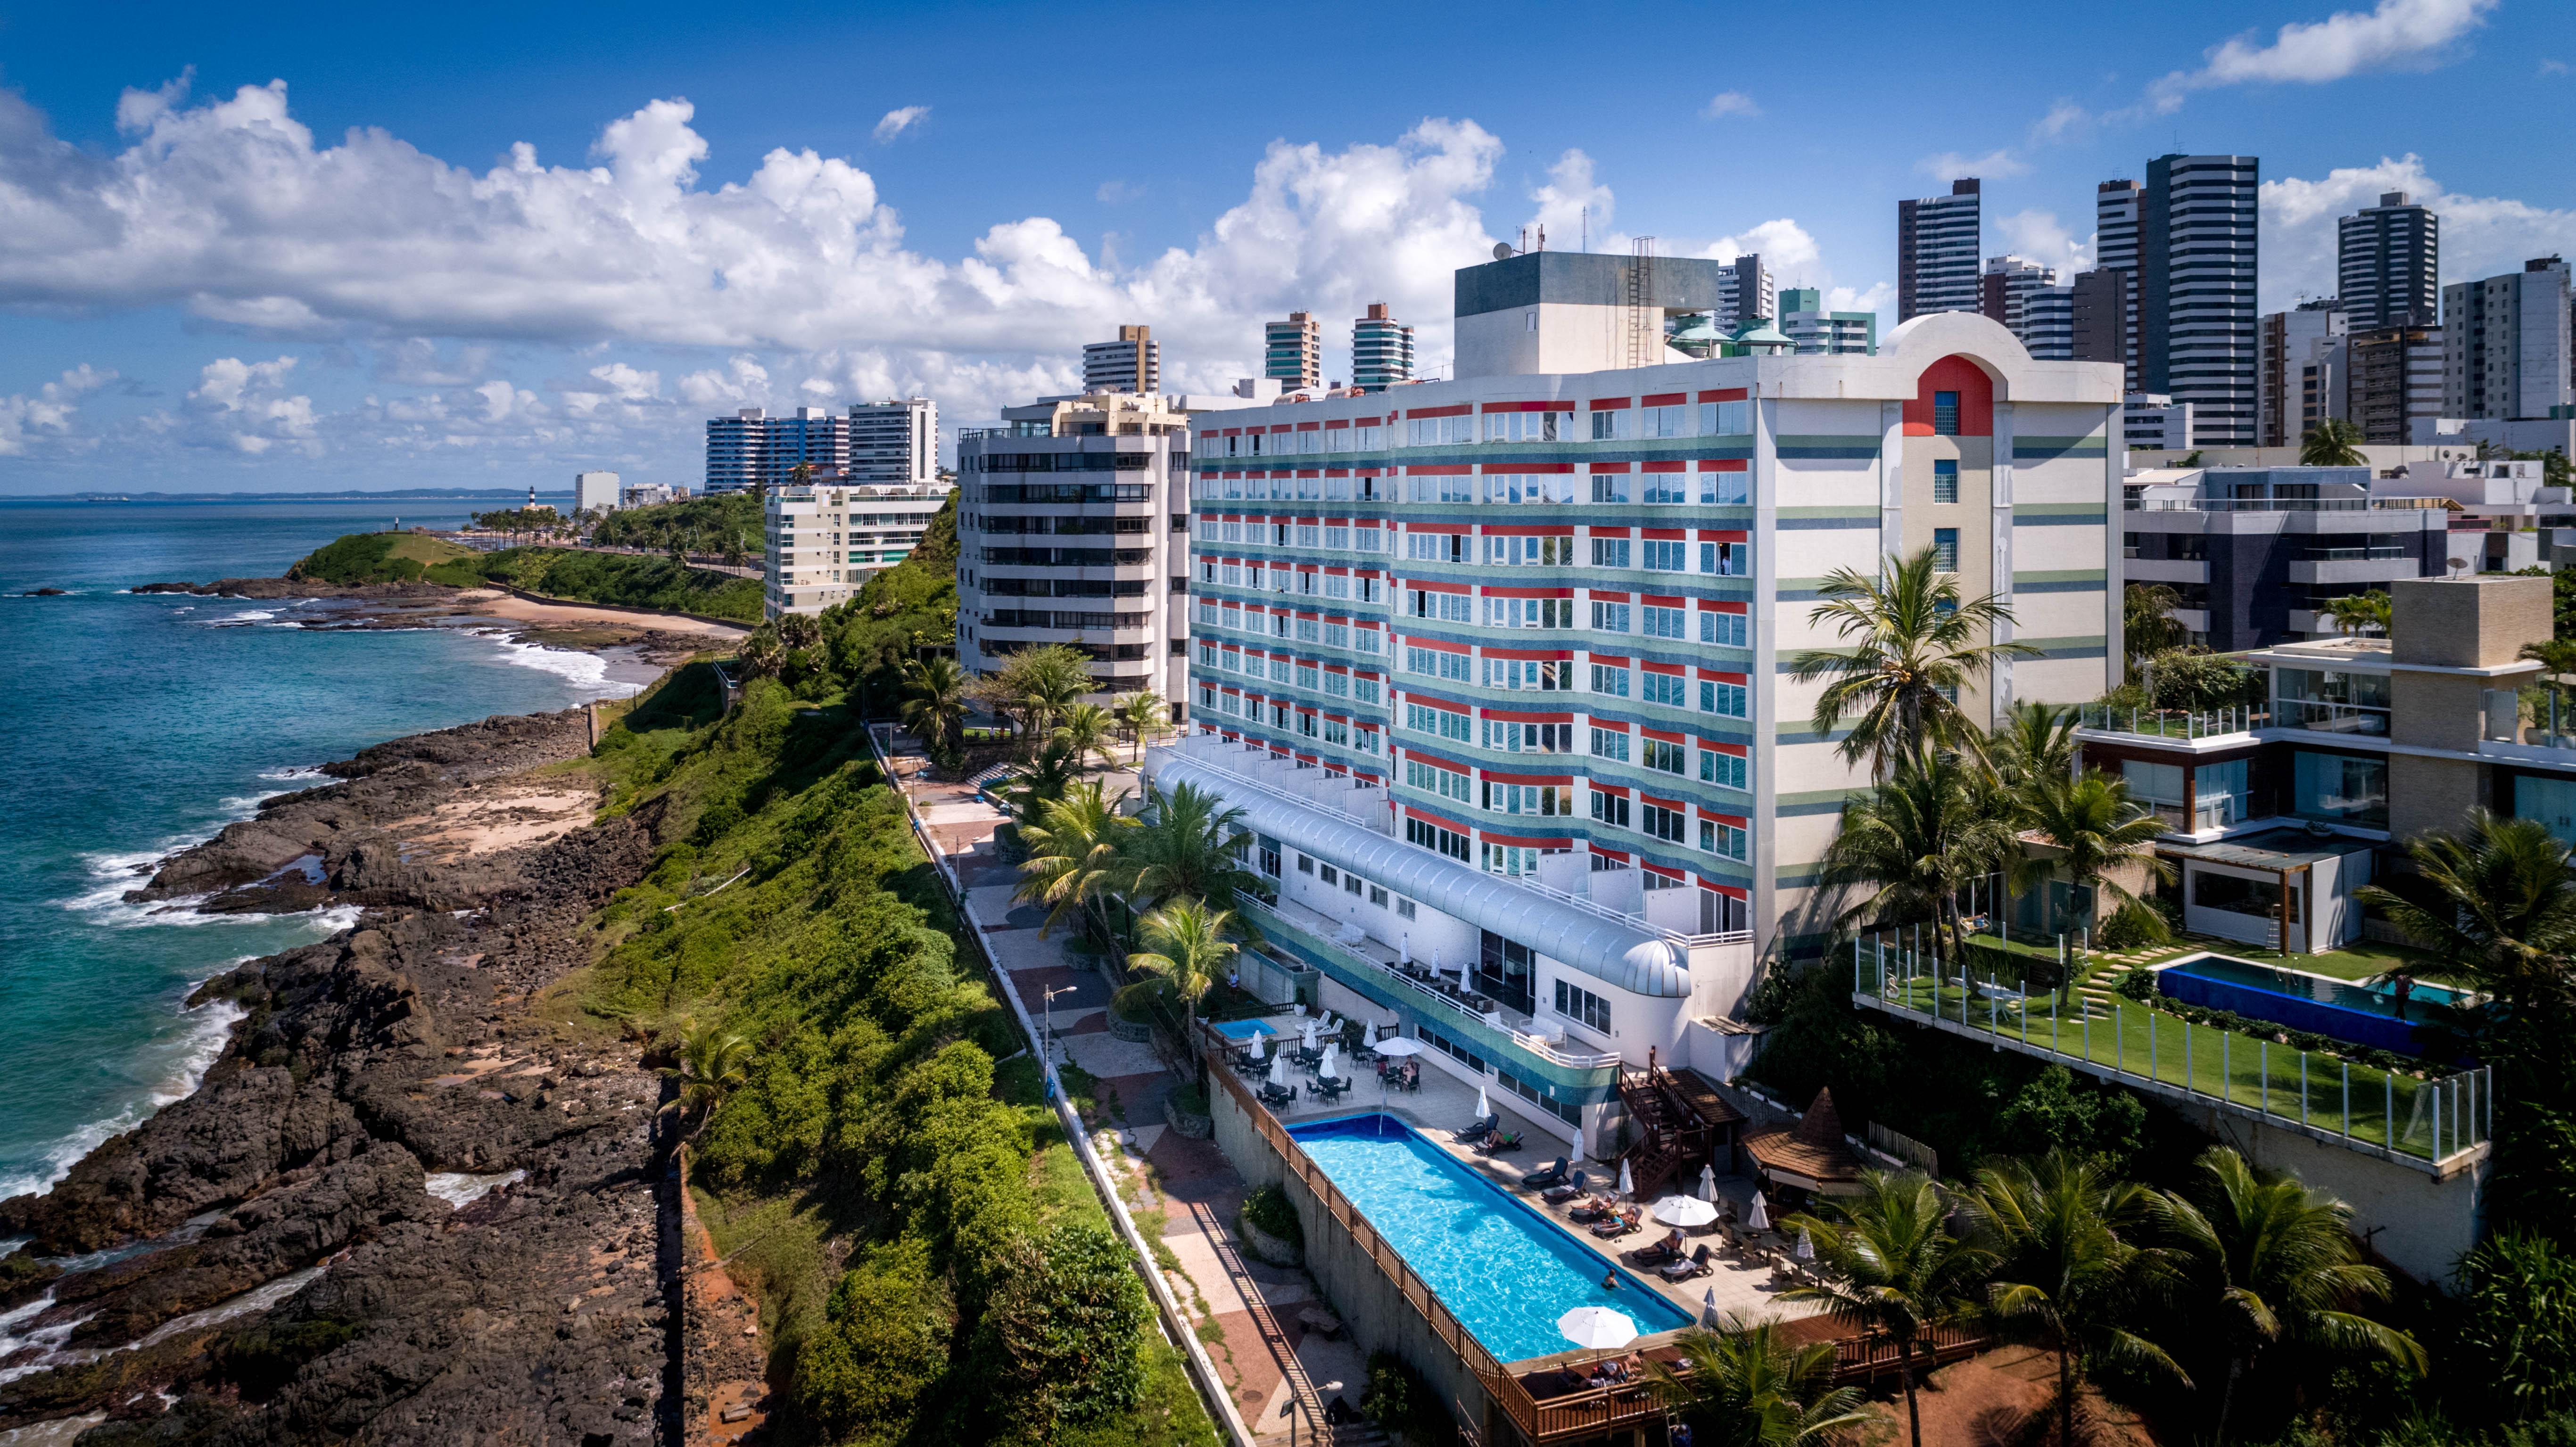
1502, 251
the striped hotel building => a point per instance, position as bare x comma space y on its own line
1496, 667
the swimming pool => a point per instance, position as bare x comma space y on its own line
2343, 1009
1251, 1030
1506, 1272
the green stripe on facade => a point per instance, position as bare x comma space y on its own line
2043, 514
2087, 647
2042, 449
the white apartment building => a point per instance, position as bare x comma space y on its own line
823, 540
1496, 666
593, 490
1132, 364
894, 443
2506, 341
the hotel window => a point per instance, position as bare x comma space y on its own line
1610, 617
1609, 552
1337, 684
1657, 822
1364, 689
1437, 721
1945, 481
1666, 556
1337, 635
1945, 549
1724, 560
1337, 731
1279, 670
1725, 488
1308, 677
1447, 607
1722, 839
1667, 487
1610, 487
1610, 681
1433, 837
1671, 421
1338, 440
1547, 800
1610, 425
1611, 809
1337, 585
1583, 1007
1610, 744
1667, 689
1664, 758
1723, 699
1717, 768
1945, 414
1446, 783
1338, 539
1664, 622
1436, 547
1725, 419
1722, 628
1307, 629
1525, 552
1522, 426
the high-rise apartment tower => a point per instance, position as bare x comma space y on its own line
1381, 350
1131, 364
2389, 264
1292, 352
1938, 240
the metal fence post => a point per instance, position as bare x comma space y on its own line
2263, 1067
2347, 1100
2303, 1087
2388, 1110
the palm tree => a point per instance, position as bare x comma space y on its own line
2035, 741
1191, 847
1141, 714
2333, 442
934, 703
1073, 853
2500, 910
1893, 1266
2147, 621
2354, 612
2096, 829
760, 654
1746, 1385
1915, 642
1041, 783
1914, 841
711, 1067
1189, 948
1086, 729
798, 630
2064, 1232
2272, 1263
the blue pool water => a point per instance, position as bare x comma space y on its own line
1507, 1272
1248, 1029
2342, 1009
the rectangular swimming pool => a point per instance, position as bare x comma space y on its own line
1506, 1271
2343, 1009
1251, 1030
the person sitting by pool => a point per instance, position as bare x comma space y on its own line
2402, 985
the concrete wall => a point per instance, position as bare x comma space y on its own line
2426, 794
2419, 1225
1372, 1309
2469, 622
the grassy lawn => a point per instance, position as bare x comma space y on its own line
2139, 1041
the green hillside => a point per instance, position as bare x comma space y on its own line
376, 558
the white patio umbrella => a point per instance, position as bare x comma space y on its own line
1627, 1182
1482, 1109
1597, 1328
1310, 1034
1404, 949
1684, 1211
1708, 1183
1708, 1313
1760, 1220
1437, 969
1279, 1071
1368, 1036
1329, 1068
1806, 1245
1398, 1047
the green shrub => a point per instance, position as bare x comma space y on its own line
2138, 985
2132, 925
1398, 1400
2517, 1318
1268, 1208
1063, 1334
883, 1344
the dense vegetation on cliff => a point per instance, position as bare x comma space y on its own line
899, 1196
698, 525
620, 578
376, 558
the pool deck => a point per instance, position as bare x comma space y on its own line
1444, 1104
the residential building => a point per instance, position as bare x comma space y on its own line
2196, 327
737, 452
2287, 345
1745, 291
2098, 307
2048, 324
2256, 552
594, 490
752, 450
1495, 666
2155, 422
1381, 350
1938, 241
2396, 378
2325, 384
2003, 290
894, 443
2388, 264
1818, 332
822, 540
1293, 352
1133, 364
2116, 254
2506, 341
649, 494
1578, 311
1072, 529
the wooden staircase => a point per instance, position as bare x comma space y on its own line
1672, 1139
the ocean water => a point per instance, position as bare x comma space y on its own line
135, 725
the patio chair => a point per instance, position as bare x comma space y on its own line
1500, 1142
1588, 1212
1657, 1253
1559, 1195
1683, 1269
1478, 1131
1547, 1175
1619, 1225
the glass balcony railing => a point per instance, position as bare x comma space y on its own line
2170, 723
2333, 718
2352, 555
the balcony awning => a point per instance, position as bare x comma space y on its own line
1614, 953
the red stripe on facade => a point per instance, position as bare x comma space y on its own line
1724, 394
1665, 467
1461, 410
1721, 535
1609, 404
1459, 470
1666, 399
1599, 467
1723, 464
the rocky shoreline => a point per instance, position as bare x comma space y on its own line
415, 1049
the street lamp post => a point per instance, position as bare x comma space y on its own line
1046, 1034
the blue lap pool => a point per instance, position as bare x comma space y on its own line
1507, 1272
2341, 1009
1250, 1030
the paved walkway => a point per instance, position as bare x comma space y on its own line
1246, 1311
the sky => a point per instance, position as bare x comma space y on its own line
327, 247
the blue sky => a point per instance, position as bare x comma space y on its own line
350, 246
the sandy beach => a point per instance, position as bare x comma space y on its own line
494, 603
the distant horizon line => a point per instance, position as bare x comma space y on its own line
412, 494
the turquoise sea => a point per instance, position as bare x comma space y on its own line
132, 726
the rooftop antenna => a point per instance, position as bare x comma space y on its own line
1587, 228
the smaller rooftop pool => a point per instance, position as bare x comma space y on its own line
1249, 1030
1506, 1271
2343, 1009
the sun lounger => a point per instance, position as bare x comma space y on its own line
1479, 1130
1619, 1225
1667, 1249
1696, 1264
1501, 1141
1547, 1176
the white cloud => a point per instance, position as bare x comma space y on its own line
49, 410
2038, 236
1730, 103
2553, 67
896, 122
2398, 35
629, 384
1576, 205
742, 380
2481, 235
245, 406
1877, 297
230, 211
1951, 165
2063, 119
1117, 193
1787, 251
